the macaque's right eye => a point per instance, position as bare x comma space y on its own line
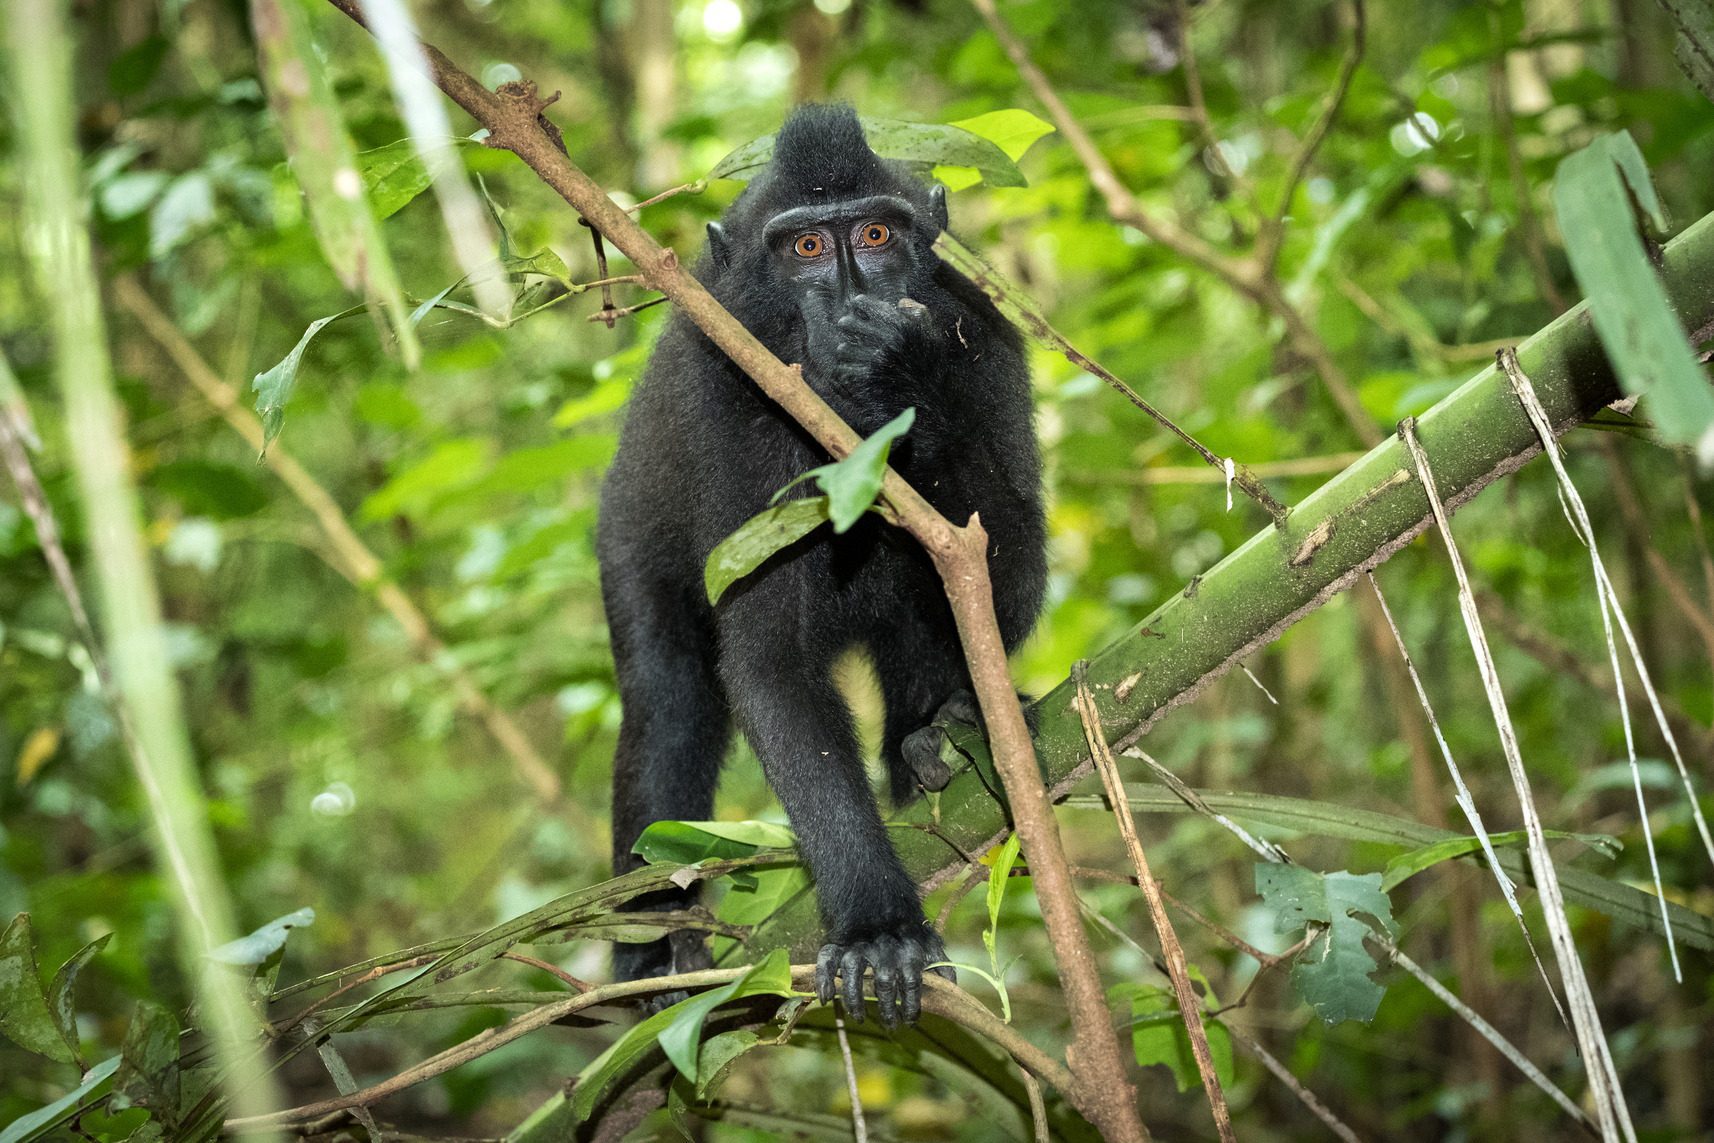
809, 246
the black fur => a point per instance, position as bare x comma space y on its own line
704, 449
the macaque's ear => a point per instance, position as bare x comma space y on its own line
937, 204
718, 247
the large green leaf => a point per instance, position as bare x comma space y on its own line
690, 842
1597, 193
1158, 1036
61, 998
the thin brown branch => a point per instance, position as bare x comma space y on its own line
1272, 236
859, 1125
352, 557
575, 983
696, 187
1304, 1096
1189, 1005
514, 121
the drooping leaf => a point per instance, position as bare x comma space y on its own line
1593, 193
1332, 974
256, 947
759, 538
1408, 865
929, 144
682, 1038
61, 999
273, 386
25, 1017
718, 1054
395, 175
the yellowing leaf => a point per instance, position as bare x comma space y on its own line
37, 749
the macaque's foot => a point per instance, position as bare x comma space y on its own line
680, 952
921, 748
898, 958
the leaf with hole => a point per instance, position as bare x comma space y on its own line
1332, 974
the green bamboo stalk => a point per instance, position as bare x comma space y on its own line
1352, 524
57, 238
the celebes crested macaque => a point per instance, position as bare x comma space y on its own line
826, 258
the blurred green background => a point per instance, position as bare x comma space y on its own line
349, 769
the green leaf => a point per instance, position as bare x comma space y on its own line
1408, 865
1013, 130
682, 1037
273, 387
853, 483
149, 1064
1332, 974
689, 842
395, 175
61, 998
258, 946
34, 1125
24, 1013
684, 1019
1593, 193
718, 1055
999, 875
1158, 1036
760, 537
931, 144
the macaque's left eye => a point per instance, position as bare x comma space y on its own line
874, 234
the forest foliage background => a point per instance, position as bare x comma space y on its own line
352, 743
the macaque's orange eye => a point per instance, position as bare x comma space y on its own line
874, 234
808, 245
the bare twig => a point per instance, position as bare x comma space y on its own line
696, 187
353, 558
1012, 300
1189, 1005
859, 1126
514, 121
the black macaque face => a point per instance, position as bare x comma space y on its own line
835, 252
